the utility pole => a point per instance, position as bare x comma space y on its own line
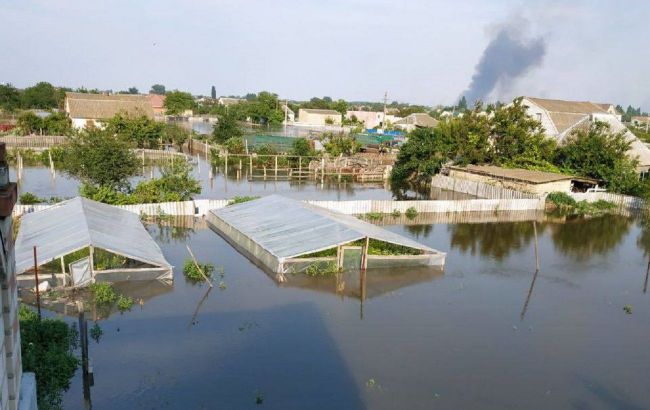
385, 101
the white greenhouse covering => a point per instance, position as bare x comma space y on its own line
285, 228
79, 223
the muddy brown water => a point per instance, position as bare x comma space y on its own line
473, 336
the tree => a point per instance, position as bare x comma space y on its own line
340, 106
462, 104
265, 109
175, 134
178, 102
100, 158
131, 90
175, 184
157, 89
9, 97
43, 95
213, 93
301, 147
338, 144
227, 127
54, 124
600, 154
142, 131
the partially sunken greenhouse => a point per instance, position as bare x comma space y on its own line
79, 241
288, 236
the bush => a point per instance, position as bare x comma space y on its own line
322, 269
192, 272
47, 350
396, 213
29, 199
124, 303
103, 293
241, 199
411, 213
561, 199
373, 216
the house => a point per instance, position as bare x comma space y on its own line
640, 121
312, 116
534, 182
372, 119
157, 104
92, 109
227, 101
560, 118
416, 120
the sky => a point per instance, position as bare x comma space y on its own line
422, 52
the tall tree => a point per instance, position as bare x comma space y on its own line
177, 102
42, 95
157, 89
213, 93
227, 127
9, 97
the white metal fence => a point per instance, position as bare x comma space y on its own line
478, 189
623, 201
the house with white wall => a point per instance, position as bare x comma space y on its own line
90, 110
560, 118
372, 119
313, 116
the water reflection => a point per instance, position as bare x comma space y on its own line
496, 240
582, 238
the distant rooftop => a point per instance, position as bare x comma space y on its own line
570, 107
515, 174
320, 111
104, 106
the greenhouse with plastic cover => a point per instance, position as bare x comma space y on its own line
80, 241
283, 235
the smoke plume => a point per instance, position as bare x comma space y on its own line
506, 57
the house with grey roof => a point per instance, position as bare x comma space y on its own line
90, 110
561, 118
416, 120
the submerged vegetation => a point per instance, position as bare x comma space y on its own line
241, 199
48, 350
317, 269
564, 203
192, 272
103, 293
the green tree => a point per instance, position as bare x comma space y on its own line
100, 158
340, 106
338, 144
30, 123
43, 95
601, 154
9, 97
142, 132
157, 89
236, 145
177, 102
227, 127
265, 109
423, 154
57, 123
175, 184
131, 90
302, 147
213, 93
175, 134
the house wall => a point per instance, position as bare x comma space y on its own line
555, 186
542, 116
317, 119
81, 123
370, 119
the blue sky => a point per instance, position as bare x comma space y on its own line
419, 51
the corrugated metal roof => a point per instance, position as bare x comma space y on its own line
77, 223
523, 175
288, 228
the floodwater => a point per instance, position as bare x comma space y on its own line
477, 335
217, 185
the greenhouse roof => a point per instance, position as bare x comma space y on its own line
287, 228
78, 223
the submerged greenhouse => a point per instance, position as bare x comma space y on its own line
79, 241
288, 236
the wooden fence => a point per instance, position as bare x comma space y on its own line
478, 189
33, 141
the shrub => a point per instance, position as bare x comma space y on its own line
396, 213
29, 199
103, 293
373, 216
321, 269
561, 199
411, 213
124, 303
191, 271
242, 199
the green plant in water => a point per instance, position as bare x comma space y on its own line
96, 332
322, 269
191, 271
28, 198
124, 303
396, 213
627, 309
222, 285
411, 213
103, 293
373, 216
259, 398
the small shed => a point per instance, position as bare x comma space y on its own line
314, 116
535, 182
288, 236
81, 241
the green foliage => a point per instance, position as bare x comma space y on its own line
175, 184
236, 145
28, 198
176, 135
241, 199
373, 216
103, 293
627, 309
47, 350
54, 124
42, 95
9, 98
600, 154
177, 102
193, 273
337, 144
396, 213
411, 213
96, 332
100, 158
124, 303
317, 269
139, 131
227, 127
157, 89
560, 199
567, 205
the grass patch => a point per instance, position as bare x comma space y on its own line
568, 205
242, 199
319, 269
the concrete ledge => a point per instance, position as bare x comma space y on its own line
27, 399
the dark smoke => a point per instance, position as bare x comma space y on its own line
507, 57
